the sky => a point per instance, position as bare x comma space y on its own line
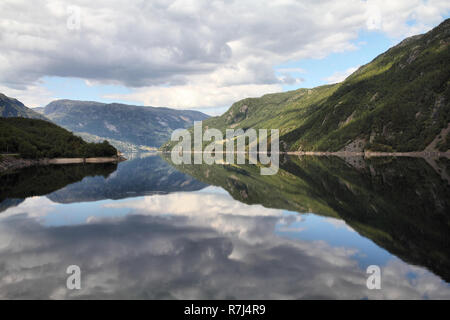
193, 54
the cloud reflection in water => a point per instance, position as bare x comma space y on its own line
187, 245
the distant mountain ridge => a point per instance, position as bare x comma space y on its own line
400, 101
10, 107
136, 125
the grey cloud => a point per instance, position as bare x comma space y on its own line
132, 44
153, 43
146, 43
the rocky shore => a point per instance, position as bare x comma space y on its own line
11, 162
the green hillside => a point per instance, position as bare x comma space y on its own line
33, 138
397, 102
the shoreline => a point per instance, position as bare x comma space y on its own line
368, 154
344, 154
12, 163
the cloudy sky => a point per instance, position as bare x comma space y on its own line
194, 54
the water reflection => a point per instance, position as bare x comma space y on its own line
17, 185
400, 204
203, 243
142, 174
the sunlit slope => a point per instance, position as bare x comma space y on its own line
397, 102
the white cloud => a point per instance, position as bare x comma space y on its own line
340, 76
338, 223
392, 17
196, 95
205, 46
291, 70
194, 204
33, 95
34, 207
203, 208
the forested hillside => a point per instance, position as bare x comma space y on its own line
33, 138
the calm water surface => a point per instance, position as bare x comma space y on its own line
147, 229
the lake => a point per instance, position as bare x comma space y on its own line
148, 229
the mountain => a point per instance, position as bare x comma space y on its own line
123, 146
136, 125
398, 102
39, 110
10, 107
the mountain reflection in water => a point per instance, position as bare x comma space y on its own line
153, 230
